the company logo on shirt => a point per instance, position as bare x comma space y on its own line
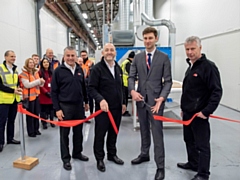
195, 74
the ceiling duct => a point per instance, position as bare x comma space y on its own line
124, 11
149, 8
123, 36
79, 14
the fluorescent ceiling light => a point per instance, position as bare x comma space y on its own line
78, 1
100, 4
93, 35
85, 15
89, 25
92, 31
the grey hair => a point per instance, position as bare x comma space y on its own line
70, 48
193, 39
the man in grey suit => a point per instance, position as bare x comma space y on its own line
153, 70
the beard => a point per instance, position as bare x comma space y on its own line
85, 60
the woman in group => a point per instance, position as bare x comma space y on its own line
30, 82
46, 105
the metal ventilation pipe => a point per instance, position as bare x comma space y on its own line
79, 14
149, 8
124, 9
138, 8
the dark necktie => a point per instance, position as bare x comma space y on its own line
149, 61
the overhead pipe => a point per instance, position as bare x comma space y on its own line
149, 8
68, 22
172, 33
124, 18
138, 7
79, 14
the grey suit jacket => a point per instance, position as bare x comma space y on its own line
154, 84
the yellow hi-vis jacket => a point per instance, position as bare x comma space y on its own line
9, 80
125, 73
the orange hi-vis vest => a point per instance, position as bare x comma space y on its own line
55, 65
85, 70
87, 65
34, 91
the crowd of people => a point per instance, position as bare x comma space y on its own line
68, 89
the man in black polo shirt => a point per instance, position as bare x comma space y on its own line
68, 95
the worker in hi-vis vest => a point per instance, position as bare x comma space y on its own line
9, 98
126, 68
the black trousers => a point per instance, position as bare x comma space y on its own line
71, 112
197, 139
7, 115
33, 123
46, 110
103, 126
91, 105
126, 94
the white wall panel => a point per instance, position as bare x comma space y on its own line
17, 27
54, 33
202, 17
217, 23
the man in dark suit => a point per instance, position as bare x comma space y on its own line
106, 88
153, 69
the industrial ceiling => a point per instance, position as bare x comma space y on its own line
88, 29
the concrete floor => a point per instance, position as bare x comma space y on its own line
225, 162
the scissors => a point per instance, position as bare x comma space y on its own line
145, 103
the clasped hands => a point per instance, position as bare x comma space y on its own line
18, 91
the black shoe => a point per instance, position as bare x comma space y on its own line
126, 114
81, 157
159, 174
1, 147
52, 125
44, 126
101, 166
67, 166
140, 160
13, 142
199, 178
186, 166
115, 159
32, 135
38, 133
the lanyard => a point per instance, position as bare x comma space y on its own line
147, 62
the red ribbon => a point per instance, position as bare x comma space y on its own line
69, 123
187, 122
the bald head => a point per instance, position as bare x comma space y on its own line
109, 52
49, 53
80, 61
